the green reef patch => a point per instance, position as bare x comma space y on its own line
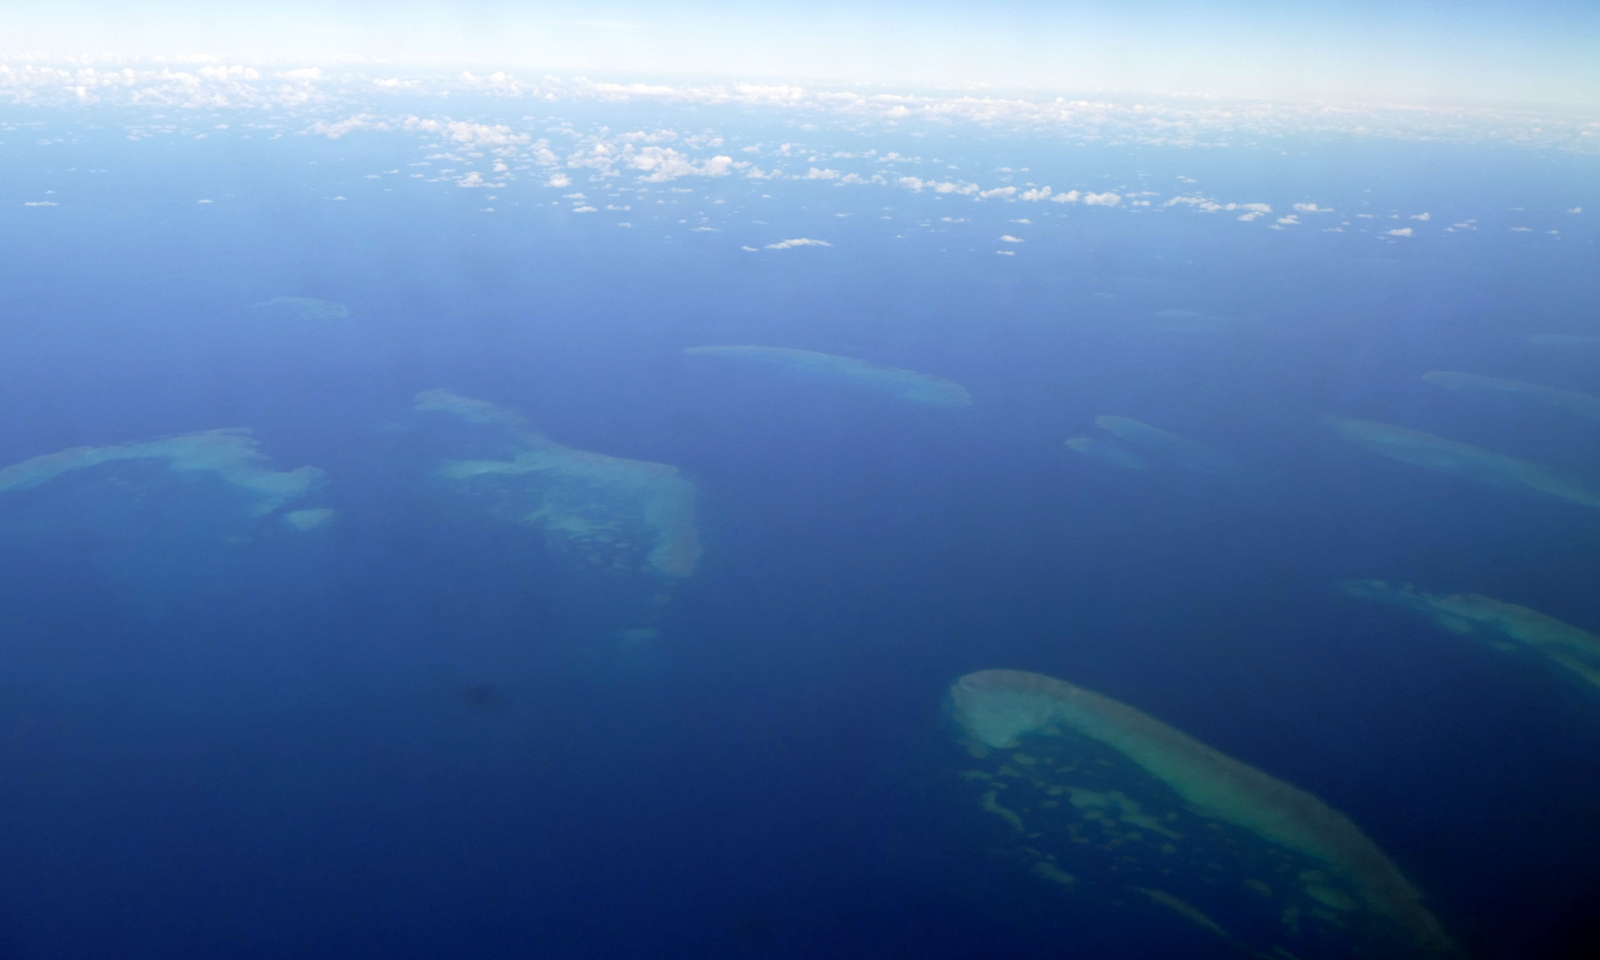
1463, 460
1108, 806
1571, 402
1138, 445
907, 385
1503, 626
607, 512
231, 455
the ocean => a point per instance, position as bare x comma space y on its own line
512, 697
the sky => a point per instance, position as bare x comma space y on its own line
1531, 52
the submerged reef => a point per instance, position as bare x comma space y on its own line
1100, 798
1571, 402
1143, 444
304, 308
230, 454
1502, 625
1178, 320
1448, 456
307, 520
608, 509
904, 384
1564, 339
1106, 452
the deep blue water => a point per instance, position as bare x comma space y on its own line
415, 734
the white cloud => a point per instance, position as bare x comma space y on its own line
664, 163
475, 135
1575, 210
583, 209
1521, 229
751, 249
1102, 199
998, 192
1422, 216
1400, 232
1006, 253
39, 203
337, 129
1071, 196
1008, 238
1312, 208
797, 242
1208, 205
1178, 121
1290, 219
559, 181
917, 183
816, 174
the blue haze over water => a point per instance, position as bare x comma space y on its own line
420, 731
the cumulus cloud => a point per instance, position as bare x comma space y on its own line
1208, 205
1182, 122
559, 181
816, 174
339, 128
1004, 192
1422, 216
1399, 232
919, 184
1102, 199
1008, 238
798, 242
476, 135
1312, 208
661, 164
1071, 196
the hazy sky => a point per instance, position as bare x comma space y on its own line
1407, 50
